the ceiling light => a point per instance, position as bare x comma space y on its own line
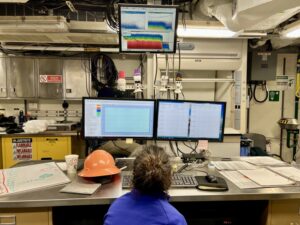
292, 30
205, 32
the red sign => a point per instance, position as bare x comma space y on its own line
51, 79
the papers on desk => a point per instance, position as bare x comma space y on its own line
239, 179
266, 178
287, 171
80, 188
263, 161
258, 178
233, 165
27, 178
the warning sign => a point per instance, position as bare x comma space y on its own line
22, 148
51, 79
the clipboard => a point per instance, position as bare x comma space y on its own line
204, 185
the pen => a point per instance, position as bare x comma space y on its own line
123, 168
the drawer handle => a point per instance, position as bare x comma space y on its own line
45, 158
51, 139
12, 218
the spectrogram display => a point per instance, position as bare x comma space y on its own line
147, 28
144, 41
160, 21
133, 20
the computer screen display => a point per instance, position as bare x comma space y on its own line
147, 28
115, 118
190, 120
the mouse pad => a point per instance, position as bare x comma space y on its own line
204, 185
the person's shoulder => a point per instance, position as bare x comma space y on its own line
124, 198
174, 216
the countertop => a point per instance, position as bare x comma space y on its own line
106, 194
42, 134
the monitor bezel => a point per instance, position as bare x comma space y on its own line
147, 6
118, 137
220, 139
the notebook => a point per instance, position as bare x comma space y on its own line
204, 185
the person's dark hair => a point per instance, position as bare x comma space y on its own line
152, 170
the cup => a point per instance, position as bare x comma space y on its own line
72, 162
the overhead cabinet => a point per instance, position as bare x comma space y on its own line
3, 89
21, 77
77, 79
50, 76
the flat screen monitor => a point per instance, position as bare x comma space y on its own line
115, 118
147, 28
190, 120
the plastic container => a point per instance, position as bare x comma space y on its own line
121, 81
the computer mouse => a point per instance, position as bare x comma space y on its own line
211, 178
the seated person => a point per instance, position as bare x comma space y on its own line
147, 203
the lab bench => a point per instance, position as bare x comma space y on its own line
265, 206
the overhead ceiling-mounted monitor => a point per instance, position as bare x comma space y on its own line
190, 120
147, 28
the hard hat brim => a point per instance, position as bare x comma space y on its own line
99, 172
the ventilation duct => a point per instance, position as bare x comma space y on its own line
240, 15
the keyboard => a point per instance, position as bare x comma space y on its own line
178, 181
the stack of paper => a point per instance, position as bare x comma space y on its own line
288, 171
26, 178
233, 165
263, 161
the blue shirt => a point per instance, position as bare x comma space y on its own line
135, 208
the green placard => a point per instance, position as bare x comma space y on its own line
274, 96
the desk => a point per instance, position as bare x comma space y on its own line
278, 205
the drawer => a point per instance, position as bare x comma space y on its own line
38, 216
53, 147
16, 149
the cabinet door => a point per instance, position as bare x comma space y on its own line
16, 149
284, 212
21, 79
50, 78
77, 79
3, 89
31, 216
53, 147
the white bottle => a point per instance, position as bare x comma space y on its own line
121, 81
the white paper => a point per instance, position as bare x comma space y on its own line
80, 187
289, 172
239, 179
62, 165
263, 161
233, 165
266, 178
27, 178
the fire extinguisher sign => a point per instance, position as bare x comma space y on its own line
51, 78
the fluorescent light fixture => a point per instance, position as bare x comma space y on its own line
205, 32
292, 30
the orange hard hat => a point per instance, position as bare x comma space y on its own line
99, 163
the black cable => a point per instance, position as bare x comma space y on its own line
250, 92
254, 94
172, 148
178, 149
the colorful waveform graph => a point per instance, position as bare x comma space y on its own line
146, 41
159, 25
